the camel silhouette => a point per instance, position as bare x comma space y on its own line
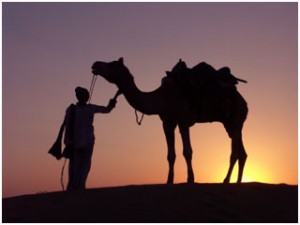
185, 97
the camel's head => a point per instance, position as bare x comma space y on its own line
111, 71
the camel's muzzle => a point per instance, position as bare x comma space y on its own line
95, 72
96, 68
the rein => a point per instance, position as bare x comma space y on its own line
92, 87
63, 168
62, 175
139, 122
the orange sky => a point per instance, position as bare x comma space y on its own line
48, 50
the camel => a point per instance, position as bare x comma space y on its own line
175, 109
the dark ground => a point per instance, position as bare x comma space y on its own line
249, 202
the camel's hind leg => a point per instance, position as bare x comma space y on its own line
237, 153
242, 160
169, 128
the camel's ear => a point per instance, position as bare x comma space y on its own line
180, 60
121, 60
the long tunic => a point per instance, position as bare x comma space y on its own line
82, 139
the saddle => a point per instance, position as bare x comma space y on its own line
203, 80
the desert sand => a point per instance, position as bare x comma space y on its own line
248, 202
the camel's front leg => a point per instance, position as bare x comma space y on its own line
169, 128
187, 151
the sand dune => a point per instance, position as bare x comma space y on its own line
249, 202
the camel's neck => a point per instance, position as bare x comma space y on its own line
146, 102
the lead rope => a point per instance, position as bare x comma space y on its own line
62, 175
92, 87
63, 168
139, 122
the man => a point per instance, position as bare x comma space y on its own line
80, 138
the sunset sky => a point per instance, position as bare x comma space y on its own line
48, 50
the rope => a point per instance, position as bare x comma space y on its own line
92, 87
63, 168
62, 175
139, 122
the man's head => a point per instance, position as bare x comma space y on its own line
82, 94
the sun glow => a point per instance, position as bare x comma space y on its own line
255, 174
252, 173
248, 179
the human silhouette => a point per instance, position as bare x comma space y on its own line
80, 137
